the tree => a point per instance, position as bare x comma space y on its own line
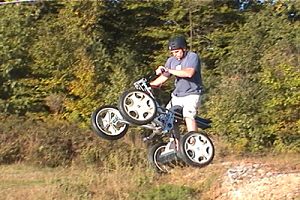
239, 101
17, 95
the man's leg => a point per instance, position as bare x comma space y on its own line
191, 124
191, 104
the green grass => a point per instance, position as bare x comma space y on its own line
20, 181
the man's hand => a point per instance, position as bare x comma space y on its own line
160, 70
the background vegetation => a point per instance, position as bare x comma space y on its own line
61, 60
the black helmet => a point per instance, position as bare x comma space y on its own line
177, 42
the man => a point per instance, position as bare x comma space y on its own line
185, 66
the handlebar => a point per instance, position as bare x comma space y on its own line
152, 75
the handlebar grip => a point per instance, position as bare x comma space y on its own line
150, 76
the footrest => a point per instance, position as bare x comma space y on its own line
203, 123
207, 121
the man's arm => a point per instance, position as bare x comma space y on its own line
159, 80
186, 72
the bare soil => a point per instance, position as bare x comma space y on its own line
253, 178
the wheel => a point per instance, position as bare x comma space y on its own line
106, 123
196, 149
161, 161
137, 107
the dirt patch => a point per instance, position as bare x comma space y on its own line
255, 178
260, 181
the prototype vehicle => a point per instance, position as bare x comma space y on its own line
139, 107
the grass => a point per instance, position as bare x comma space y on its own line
19, 181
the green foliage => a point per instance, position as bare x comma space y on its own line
255, 100
234, 107
16, 37
173, 20
281, 80
167, 192
65, 58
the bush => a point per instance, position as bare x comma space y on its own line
254, 95
50, 142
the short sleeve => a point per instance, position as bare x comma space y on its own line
192, 61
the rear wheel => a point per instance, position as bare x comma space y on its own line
107, 123
196, 149
137, 107
159, 159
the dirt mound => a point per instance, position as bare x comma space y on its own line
260, 181
267, 178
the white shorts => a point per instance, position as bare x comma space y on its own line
189, 104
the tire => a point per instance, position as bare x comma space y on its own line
106, 124
137, 107
153, 156
196, 149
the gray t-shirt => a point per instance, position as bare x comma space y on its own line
186, 86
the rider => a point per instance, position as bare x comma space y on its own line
186, 67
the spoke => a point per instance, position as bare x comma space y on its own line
202, 146
136, 99
106, 118
207, 150
134, 103
111, 130
148, 109
105, 126
105, 121
110, 115
131, 108
200, 154
145, 104
141, 114
190, 146
199, 142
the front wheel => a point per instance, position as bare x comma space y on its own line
137, 107
196, 149
107, 123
